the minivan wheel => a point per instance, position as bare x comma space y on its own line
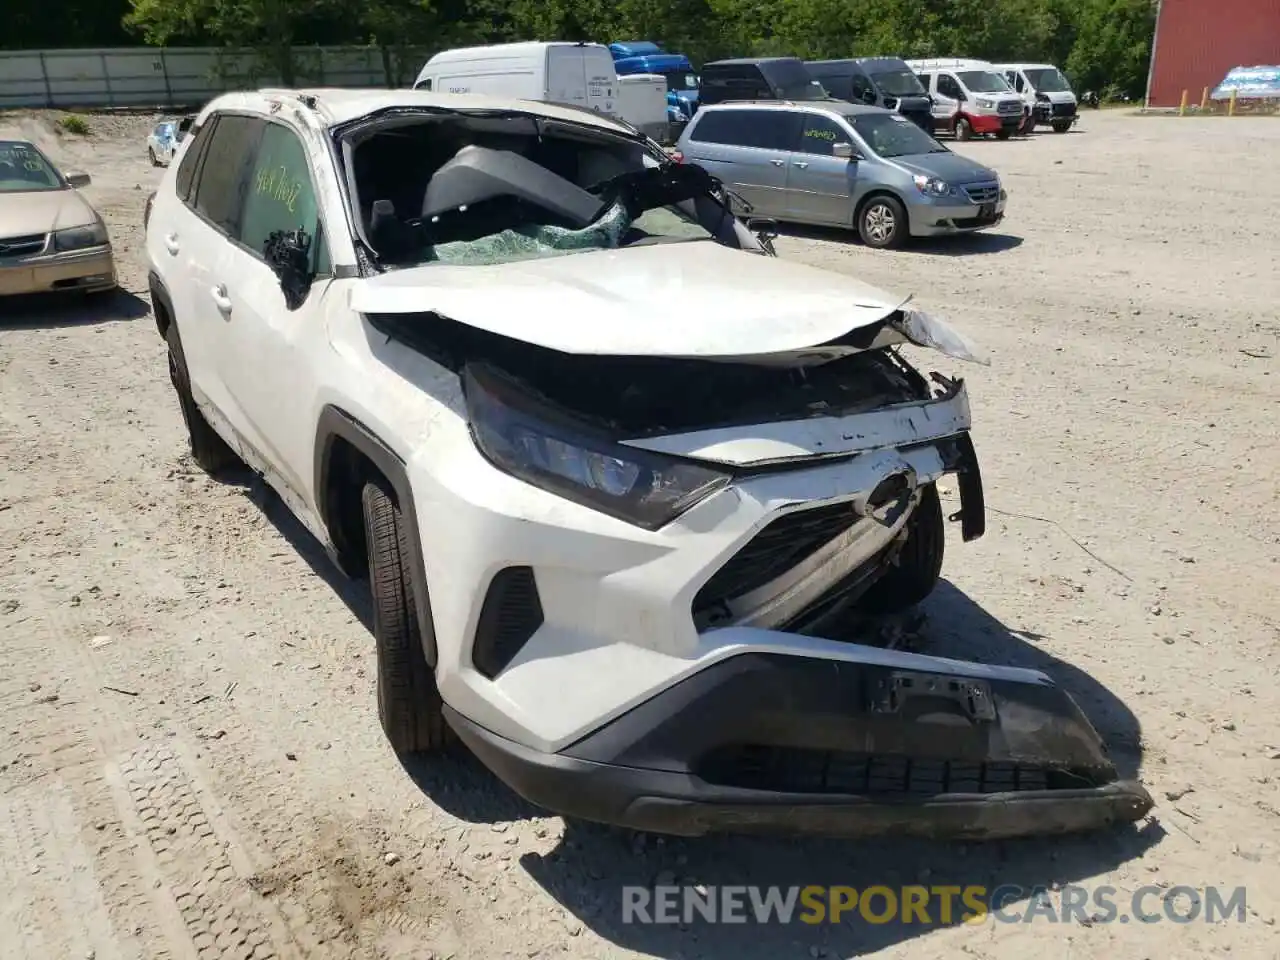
964, 129
882, 223
1061, 126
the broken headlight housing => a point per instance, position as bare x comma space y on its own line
541, 446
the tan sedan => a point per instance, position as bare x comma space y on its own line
51, 239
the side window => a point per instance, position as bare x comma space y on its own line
1016, 80
191, 160
282, 195
863, 90
820, 133
426, 84
224, 179
948, 86
764, 129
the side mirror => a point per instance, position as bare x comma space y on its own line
78, 180
869, 97
843, 151
288, 253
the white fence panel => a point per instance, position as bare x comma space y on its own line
179, 76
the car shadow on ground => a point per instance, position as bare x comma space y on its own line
36, 311
587, 871
961, 245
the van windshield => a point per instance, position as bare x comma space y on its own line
983, 81
893, 135
1048, 80
899, 83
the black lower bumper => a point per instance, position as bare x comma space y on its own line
885, 743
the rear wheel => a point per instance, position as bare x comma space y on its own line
919, 562
964, 129
209, 450
409, 705
882, 223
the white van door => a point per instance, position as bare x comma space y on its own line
947, 95
566, 76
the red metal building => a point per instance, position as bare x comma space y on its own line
1198, 41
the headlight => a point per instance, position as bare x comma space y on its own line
985, 104
543, 447
78, 238
932, 186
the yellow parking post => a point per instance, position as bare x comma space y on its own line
1182, 107
1231, 107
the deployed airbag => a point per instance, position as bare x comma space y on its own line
476, 174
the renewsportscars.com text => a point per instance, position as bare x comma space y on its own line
932, 905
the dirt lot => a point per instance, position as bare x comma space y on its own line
191, 763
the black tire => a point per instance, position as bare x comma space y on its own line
1003, 134
919, 561
208, 449
964, 129
880, 213
151, 155
409, 705
1061, 126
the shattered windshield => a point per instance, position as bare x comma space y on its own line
24, 169
474, 199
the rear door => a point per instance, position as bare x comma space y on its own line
566, 76
748, 150
819, 185
199, 236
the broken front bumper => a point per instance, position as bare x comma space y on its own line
877, 742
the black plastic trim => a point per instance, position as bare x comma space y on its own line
334, 423
159, 292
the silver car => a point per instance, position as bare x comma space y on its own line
163, 140
832, 163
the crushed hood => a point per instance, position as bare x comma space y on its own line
696, 300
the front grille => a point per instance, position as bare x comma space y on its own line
794, 770
1009, 106
983, 192
964, 223
511, 614
22, 246
778, 547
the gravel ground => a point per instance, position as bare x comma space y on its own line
191, 763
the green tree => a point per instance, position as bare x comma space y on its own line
1113, 45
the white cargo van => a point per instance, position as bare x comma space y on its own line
1045, 90
642, 102
971, 97
577, 74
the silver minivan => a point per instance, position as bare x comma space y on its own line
832, 163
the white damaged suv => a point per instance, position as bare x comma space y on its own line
615, 474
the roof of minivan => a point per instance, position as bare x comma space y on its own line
339, 105
842, 107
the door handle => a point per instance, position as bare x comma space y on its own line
776, 163
220, 298
171, 244
801, 164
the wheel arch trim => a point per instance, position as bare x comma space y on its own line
336, 424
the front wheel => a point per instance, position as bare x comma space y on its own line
964, 129
409, 705
1003, 134
882, 223
1061, 126
919, 562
